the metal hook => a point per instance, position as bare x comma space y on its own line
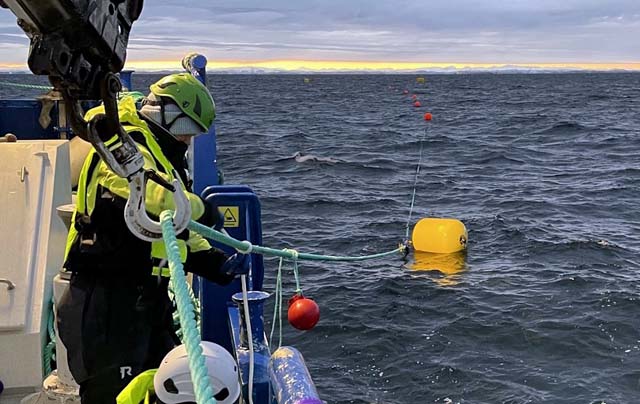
135, 213
122, 156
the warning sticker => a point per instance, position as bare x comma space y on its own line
231, 215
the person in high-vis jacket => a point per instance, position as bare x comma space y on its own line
116, 317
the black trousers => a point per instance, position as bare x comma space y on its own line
113, 329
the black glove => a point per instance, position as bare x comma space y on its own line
237, 264
208, 264
212, 216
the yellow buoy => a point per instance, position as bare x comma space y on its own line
438, 235
420, 80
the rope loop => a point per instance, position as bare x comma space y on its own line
247, 250
294, 253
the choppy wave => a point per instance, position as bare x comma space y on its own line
299, 157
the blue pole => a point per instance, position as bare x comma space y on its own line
255, 300
205, 165
125, 78
196, 64
261, 354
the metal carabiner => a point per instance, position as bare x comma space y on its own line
135, 213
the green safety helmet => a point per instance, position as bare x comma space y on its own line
190, 95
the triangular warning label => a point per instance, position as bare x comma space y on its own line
231, 214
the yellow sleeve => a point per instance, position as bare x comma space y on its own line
157, 198
137, 389
197, 243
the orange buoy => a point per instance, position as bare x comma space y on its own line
303, 313
428, 116
417, 104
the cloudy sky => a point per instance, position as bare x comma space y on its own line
420, 31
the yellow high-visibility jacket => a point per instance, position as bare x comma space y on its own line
98, 238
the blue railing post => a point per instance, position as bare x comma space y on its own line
125, 78
261, 354
196, 64
205, 164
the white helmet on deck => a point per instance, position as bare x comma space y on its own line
173, 384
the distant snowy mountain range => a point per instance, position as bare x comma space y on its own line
449, 70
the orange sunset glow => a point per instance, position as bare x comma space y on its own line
373, 66
320, 65
328, 65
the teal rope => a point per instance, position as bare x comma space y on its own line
295, 269
296, 276
31, 86
48, 356
277, 309
199, 372
290, 254
137, 95
176, 316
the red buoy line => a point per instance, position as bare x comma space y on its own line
417, 104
